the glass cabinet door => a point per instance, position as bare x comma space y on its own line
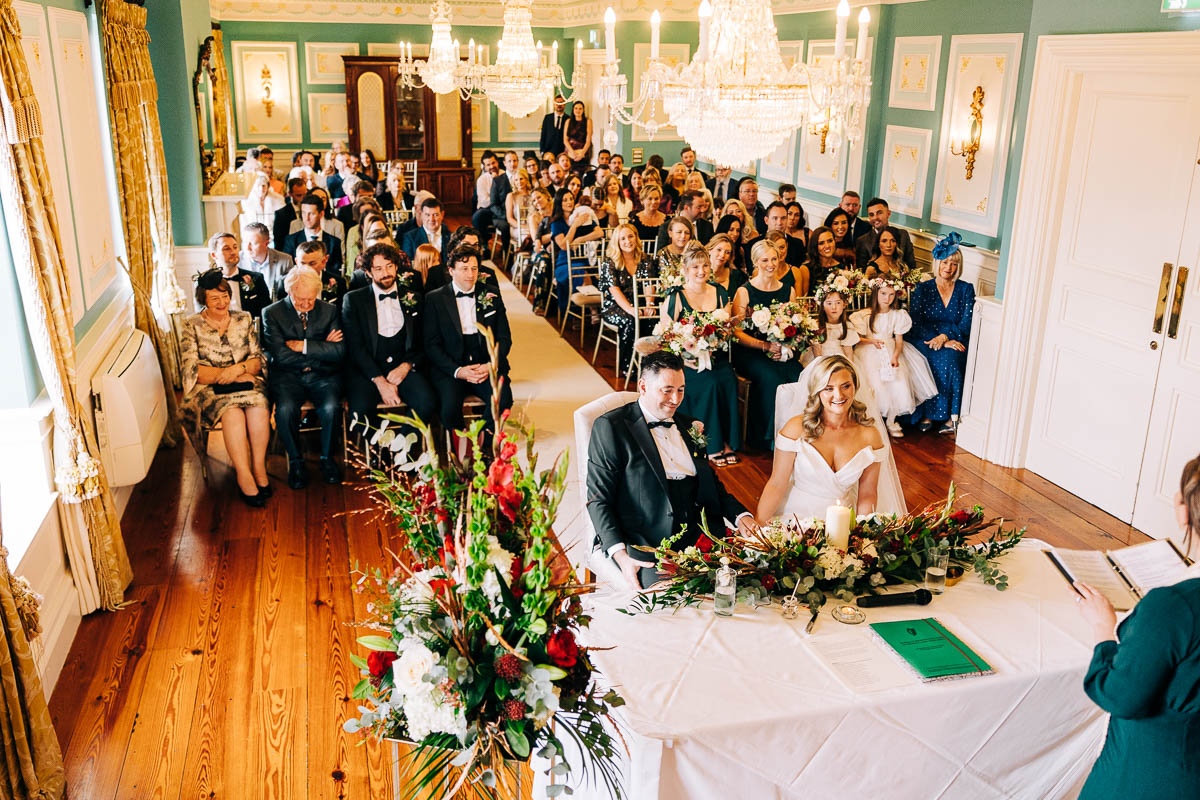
410, 123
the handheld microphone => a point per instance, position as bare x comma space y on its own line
920, 597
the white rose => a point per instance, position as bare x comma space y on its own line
760, 318
660, 328
720, 315
411, 666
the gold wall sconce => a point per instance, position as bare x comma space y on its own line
267, 102
969, 147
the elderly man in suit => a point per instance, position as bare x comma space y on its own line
551, 142
723, 186
249, 291
648, 475
454, 315
312, 215
432, 231
257, 257
385, 353
302, 337
878, 215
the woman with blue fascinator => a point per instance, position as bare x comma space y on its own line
941, 311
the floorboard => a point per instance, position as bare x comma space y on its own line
228, 675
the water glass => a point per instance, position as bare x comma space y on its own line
936, 562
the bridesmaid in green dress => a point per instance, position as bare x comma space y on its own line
756, 359
720, 256
1149, 681
711, 394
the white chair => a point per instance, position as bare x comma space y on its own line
650, 246
647, 297
582, 273
604, 569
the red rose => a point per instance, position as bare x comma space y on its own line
704, 543
709, 330
768, 582
789, 331
961, 517
562, 649
379, 662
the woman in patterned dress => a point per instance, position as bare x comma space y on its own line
622, 265
941, 310
223, 384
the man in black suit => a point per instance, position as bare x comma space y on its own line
249, 291
776, 221
688, 156
432, 231
282, 224
364, 194
502, 186
439, 276
878, 216
302, 337
648, 475
747, 192
312, 213
385, 361
723, 186
691, 206
551, 143
458, 353
851, 203
314, 256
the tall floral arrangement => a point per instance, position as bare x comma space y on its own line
473, 655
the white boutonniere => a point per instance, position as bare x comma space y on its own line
696, 434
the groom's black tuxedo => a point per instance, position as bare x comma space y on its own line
628, 497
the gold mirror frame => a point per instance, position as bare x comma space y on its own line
210, 63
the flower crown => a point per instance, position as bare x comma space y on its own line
896, 283
947, 246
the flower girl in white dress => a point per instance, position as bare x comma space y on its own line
896, 373
840, 337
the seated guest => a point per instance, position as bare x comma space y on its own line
414, 221
786, 193
456, 350
838, 222
822, 257
565, 234
735, 207
614, 202
385, 360
797, 223
368, 167
650, 218
724, 273
851, 204
941, 310
776, 220
359, 278
884, 257
481, 218
289, 213
343, 174
432, 231
257, 257
248, 290
669, 259
396, 196
261, 203
1145, 672
674, 185
878, 215
691, 206
596, 174
223, 385
370, 220
622, 265
302, 337
502, 186
312, 213
313, 256
426, 261
748, 195
794, 276
723, 186
711, 395
440, 276
730, 226
688, 157
349, 214
762, 363
516, 205
647, 477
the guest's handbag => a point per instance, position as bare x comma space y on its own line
230, 388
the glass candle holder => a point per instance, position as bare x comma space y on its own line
791, 608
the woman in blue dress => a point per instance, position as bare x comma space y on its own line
564, 234
941, 311
1145, 673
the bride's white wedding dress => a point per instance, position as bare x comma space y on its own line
814, 485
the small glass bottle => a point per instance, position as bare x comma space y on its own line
725, 593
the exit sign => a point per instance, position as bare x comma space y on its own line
1180, 5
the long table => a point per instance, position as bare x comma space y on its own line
741, 708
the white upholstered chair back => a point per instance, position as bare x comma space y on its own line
585, 416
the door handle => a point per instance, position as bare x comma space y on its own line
1163, 285
1177, 302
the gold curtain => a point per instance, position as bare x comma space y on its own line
96, 551
138, 152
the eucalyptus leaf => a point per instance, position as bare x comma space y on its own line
517, 741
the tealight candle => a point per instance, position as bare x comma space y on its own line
838, 519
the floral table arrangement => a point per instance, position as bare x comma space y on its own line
473, 656
787, 324
696, 335
794, 557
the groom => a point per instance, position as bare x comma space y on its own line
648, 475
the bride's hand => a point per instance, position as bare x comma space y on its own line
747, 525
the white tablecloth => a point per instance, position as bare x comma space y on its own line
740, 708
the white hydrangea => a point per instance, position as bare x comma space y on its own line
498, 557
430, 712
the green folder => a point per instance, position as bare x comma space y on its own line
931, 651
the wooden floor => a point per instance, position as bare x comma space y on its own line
228, 675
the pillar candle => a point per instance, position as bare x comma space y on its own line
838, 519
705, 18
655, 22
864, 24
610, 40
843, 16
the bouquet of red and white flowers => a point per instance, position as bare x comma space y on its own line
473, 652
696, 335
786, 324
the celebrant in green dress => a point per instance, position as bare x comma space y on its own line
1149, 681
710, 393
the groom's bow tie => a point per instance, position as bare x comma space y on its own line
662, 423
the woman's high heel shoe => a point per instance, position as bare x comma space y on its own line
257, 500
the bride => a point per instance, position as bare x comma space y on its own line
830, 449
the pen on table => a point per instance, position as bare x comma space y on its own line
813, 620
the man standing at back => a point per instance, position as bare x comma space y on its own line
551, 143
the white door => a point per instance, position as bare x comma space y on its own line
1132, 158
1175, 419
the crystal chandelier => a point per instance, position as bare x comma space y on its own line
443, 72
521, 81
736, 100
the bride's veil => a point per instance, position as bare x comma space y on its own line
790, 400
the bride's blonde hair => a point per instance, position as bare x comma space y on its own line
813, 415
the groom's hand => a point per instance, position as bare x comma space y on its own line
629, 568
747, 525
